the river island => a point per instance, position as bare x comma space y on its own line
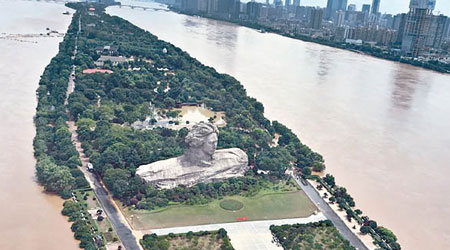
110, 74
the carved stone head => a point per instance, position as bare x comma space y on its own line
202, 141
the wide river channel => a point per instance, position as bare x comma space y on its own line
29, 218
383, 127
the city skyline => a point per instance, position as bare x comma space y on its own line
386, 6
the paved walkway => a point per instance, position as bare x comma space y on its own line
331, 215
246, 235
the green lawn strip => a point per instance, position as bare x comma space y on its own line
263, 206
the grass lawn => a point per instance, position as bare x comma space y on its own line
263, 206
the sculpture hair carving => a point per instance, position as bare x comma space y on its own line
195, 137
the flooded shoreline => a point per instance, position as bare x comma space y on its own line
30, 218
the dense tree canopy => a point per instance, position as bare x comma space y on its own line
54, 178
105, 105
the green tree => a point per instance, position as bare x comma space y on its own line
329, 179
116, 180
54, 178
364, 229
306, 171
318, 166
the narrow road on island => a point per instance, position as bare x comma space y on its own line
331, 215
113, 213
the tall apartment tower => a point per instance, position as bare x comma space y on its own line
333, 6
316, 18
376, 7
436, 31
416, 27
351, 7
366, 8
329, 12
399, 25
447, 30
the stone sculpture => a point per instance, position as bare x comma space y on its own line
201, 163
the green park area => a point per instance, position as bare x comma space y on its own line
265, 205
204, 240
318, 235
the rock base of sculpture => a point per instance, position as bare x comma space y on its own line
170, 173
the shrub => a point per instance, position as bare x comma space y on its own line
231, 205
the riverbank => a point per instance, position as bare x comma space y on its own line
353, 225
30, 217
365, 49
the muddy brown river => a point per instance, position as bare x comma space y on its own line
29, 218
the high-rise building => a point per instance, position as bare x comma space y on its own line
333, 6
351, 7
436, 31
287, 3
212, 6
447, 30
416, 27
296, 2
278, 2
366, 8
316, 18
399, 26
228, 8
330, 9
253, 10
376, 7
202, 6
189, 5
339, 18
386, 21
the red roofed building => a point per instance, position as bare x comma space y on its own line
92, 71
91, 9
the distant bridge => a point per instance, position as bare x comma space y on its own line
140, 7
120, 6
51, 1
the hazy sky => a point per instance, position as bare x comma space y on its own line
389, 6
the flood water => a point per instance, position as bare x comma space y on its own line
383, 127
29, 218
